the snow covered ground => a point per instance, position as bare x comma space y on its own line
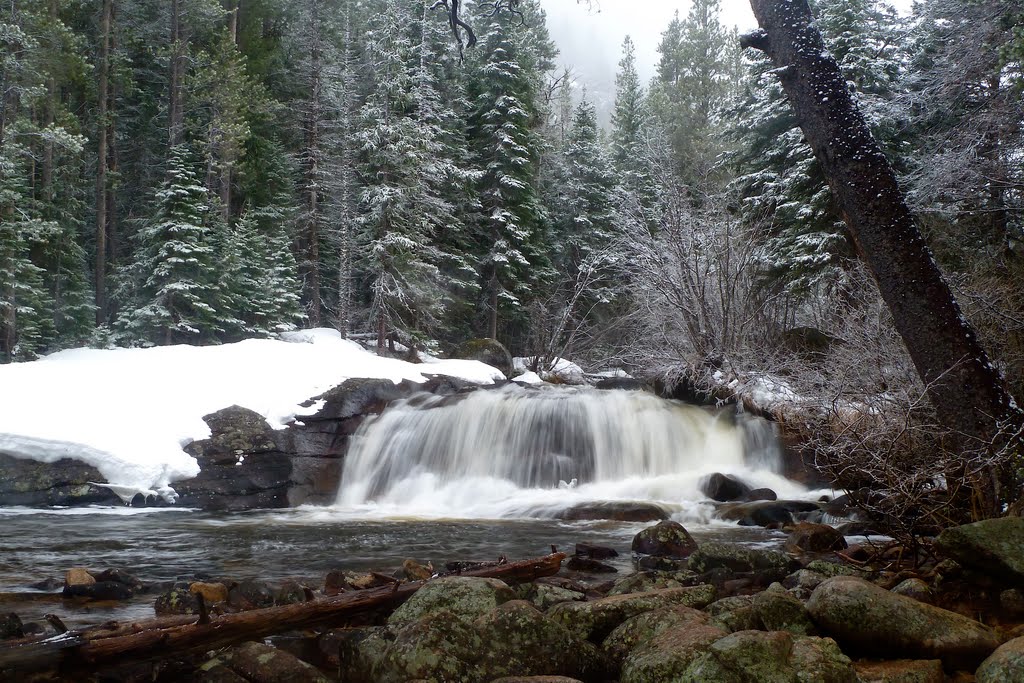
129, 412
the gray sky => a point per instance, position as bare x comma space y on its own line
591, 39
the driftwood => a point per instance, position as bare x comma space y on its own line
114, 643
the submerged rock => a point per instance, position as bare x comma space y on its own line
665, 539
873, 621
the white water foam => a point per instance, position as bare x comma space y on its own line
514, 453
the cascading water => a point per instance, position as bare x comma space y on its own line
532, 452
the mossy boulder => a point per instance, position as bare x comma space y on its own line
631, 633
594, 620
878, 623
466, 597
735, 613
770, 657
544, 595
737, 558
993, 546
260, 663
668, 654
665, 539
489, 351
1005, 664
440, 646
641, 582
777, 610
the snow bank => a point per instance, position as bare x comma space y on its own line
129, 412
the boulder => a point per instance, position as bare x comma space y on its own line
992, 546
777, 610
536, 679
544, 595
735, 613
631, 633
914, 588
815, 538
61, 483
355, 653
520, 641
641, 582
1005, 664
489, 351
901, 671
251, 594
178, 600
723, 487
771, 564
414, 571
1011, 601
664, 539
776, 657
830, 569
439, 646
760, 494
593, 620
99, 590
766, 513
615, 511
877, 623
466, 597
589, 566
259, 663
667, 655
78, 576
211, 592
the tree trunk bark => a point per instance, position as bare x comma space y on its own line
968, 393
101, 166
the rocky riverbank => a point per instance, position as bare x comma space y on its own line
710, 612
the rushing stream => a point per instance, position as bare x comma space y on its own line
466, 477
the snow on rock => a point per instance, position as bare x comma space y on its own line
528, 377
557, 370
129, 412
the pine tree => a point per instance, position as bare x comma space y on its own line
630, 139
777, 176
173, 283
502, 128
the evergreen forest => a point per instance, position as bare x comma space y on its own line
203, 171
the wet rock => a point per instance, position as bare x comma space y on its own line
489, 351
291, 593
777, 610
815, 538
878, 623
1005, 664
616, 511
463, 596
259, 663
597, 552
414, 571
100, 590
11, 626
628, 635
901, 671
914, 588
766, 513
760, 494
723, 487
177, 601
993, 546
641, 582
776, 657
735, 613
62, 483
771, 564
593, 620
585, 564
49, 585
212, 592
668, 654
664, 539
251, 594
78, 576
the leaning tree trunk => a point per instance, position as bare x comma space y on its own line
968, 393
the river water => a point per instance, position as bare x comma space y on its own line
435, 479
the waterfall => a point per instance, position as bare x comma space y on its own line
517, 451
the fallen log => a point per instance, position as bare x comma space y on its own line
178, 636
